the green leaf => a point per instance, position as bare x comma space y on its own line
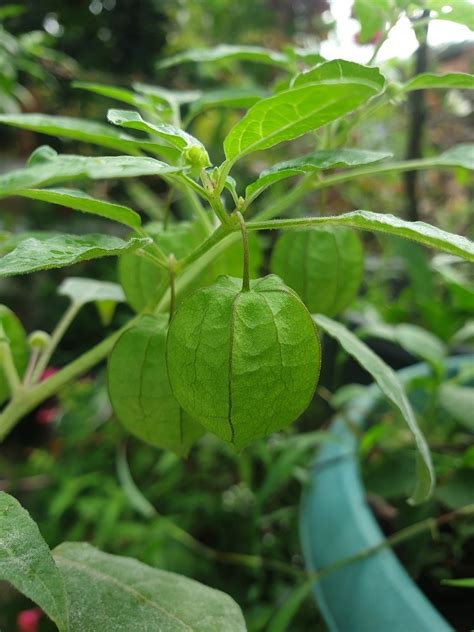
372, 16
140, 391
76, 128
467, 582
461, 11
111, 593
170, 97
61, 167
413, 339
294, 112
393, 389
340, 71
80, 201
243, 363
173, 135
224, 52
457, 156
429, 80
26, 562
225, 98
318, 160
384, 223
81, 290
458, 401
323, 265
112, 92
13, 330
64, 250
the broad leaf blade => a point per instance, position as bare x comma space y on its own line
80, 201
63, 167
393, 389
384, 223
75, 128
173, 135
292, 113
33, 254
342, 71
428, 80
111, 593
225, 52
26, 562
82, 290
318, 160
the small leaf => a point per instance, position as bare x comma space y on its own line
80, 201
428, 80
385, 223
372, 16
26, 562
294, 112
224, 52
111, 593
393, 389
64, 250
113, 92
12, 328
55, 167
170, 97
318, 160
140, 391
82, 290
459, 11
173, 135
76, 128
457, 156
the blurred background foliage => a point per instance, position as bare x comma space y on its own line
66, 462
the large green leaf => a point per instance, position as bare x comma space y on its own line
459, 11
310, 104
429, 80
385, 223
340, 71
172, 135
111, 593
318, 160
255, 54
393, 389
76, 128
64, 250
62, 167
80, 201
26, 562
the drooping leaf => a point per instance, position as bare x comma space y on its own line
173, 135
26, 562
82, 290
225, 98
385, 223
112, 593
61, 167
429, 80
76, 128
80, 201
255, 54
323, 265
64, 250
393, 389
140, 391
318, 160
12, 328
223, 342
294, 112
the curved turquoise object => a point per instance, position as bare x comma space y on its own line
375, 594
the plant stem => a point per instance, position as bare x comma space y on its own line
245, 247
172, 275
56, 336
33, 359
8, 365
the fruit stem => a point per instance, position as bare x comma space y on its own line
245, 246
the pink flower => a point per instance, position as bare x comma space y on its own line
28, 620
46, 414
48, 372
